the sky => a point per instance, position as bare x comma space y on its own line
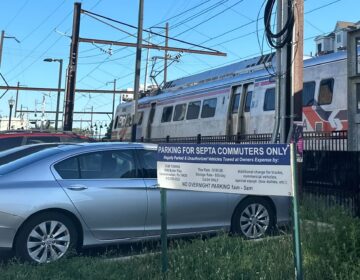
43, 29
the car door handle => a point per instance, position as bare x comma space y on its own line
77, 187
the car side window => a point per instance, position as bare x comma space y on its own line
113, 164
68, 168
148, 159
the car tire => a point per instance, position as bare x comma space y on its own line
253, 218
45, 238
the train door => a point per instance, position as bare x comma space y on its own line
239, 109
244, 110
150, 120
233, 110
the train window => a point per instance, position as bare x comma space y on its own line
236, 103
308, 94
326, 91
208, 108
167, 114
116, 122
193, 110
269, 102
248, 101
179, 113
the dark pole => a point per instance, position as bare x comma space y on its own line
1, 43
113, 106
16, 99
166, 53
137, 69
70, 90
288, 82
11, 106
58, 94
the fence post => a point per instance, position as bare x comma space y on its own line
238, 136
167, 139
198, 139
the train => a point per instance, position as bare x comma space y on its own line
238, 99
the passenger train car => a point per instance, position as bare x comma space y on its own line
238, 98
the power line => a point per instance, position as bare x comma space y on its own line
17, 14
43, 22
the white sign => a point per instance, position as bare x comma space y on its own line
245, 169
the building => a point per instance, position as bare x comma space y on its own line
16, 123
336, 40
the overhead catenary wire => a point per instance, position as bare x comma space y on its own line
231, 39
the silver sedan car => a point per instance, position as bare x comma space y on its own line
79, 195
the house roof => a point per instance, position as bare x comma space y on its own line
344, 24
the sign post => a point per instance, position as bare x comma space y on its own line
296, 229
164, 254
250, 169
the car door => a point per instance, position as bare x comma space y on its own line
104, 187
187, 211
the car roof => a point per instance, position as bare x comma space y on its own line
110, 145
22, 133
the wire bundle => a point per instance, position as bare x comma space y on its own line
284, 36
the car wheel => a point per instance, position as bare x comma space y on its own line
45, 238
253, 218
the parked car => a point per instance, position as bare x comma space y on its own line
80, 195
12, 154
15, 138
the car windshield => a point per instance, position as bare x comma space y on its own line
26, 160
22, 151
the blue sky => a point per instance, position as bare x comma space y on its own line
43, 27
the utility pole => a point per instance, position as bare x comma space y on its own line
16, 99
58, 95
70, 90
278, 75
298, 64
1, 43
166, 52
113, 103
137, 69
3, 36
147, 62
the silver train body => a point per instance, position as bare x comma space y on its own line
238, 98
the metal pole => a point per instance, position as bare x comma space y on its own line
16, 99
1, 44
288, 81
9, 128
166, 52
278, 75
113, 106
147, 62
70, 90
296, 228
137, 69
164, 253
92, 112
282, 78
58, 95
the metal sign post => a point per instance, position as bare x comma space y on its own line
296, 229
164, 254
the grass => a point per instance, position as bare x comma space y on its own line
330, 240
